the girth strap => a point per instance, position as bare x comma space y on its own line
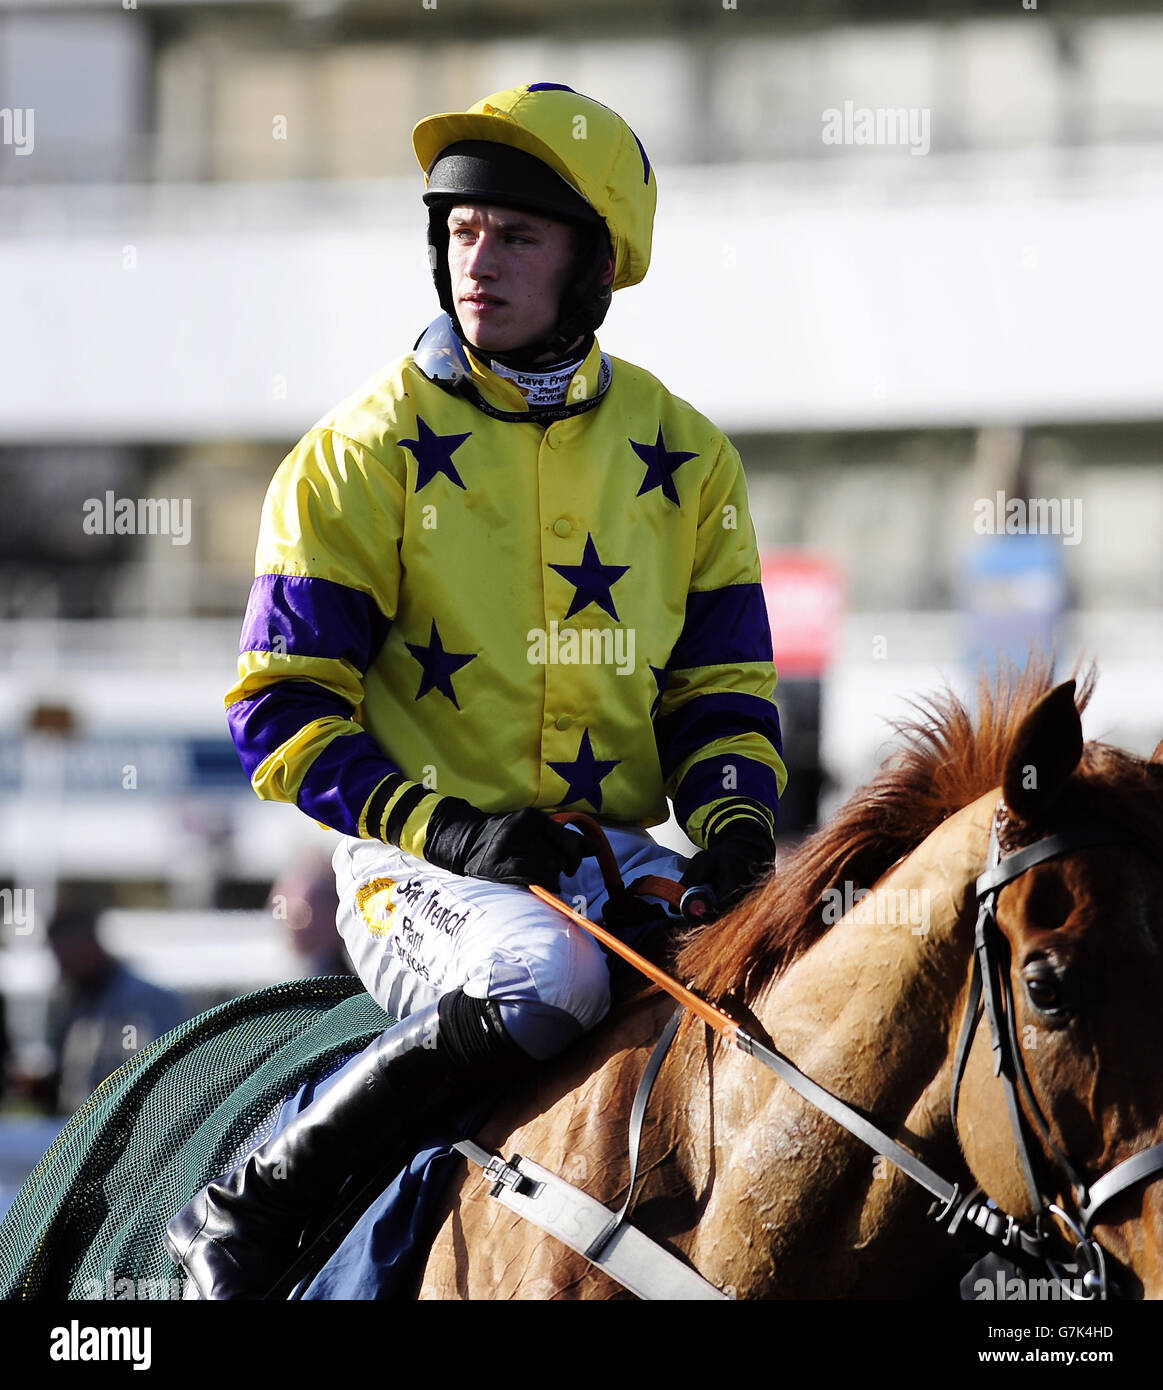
637, 1116
576, 1219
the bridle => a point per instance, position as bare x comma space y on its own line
991, 993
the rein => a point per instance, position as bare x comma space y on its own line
991, 993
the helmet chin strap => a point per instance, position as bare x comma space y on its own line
530, 357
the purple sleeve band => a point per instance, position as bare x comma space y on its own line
265, 722
723, 626
343, 776
704, 782
705, 718
299, 616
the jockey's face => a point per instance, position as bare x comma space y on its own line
507, 269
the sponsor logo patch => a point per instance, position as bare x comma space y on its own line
373, 901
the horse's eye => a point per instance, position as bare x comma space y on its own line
1043, 992
1044, 989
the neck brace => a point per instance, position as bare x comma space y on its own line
539, 388
442, 357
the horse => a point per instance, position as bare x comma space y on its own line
856, 960
763, 1194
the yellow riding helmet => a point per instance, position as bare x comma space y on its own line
589, 145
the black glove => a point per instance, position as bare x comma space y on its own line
519, 847
733, 862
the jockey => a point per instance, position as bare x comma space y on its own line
511, 575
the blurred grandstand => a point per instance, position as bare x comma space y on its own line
210, 231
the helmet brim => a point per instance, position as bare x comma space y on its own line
488, 172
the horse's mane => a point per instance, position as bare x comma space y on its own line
948, 759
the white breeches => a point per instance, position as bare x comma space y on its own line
414, 932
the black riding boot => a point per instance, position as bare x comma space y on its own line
238, 1236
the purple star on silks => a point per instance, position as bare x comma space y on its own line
659, 674
433, 454
661, 466
592, 581
439, 666
585, 774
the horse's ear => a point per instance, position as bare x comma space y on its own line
1157, 755
1046, 750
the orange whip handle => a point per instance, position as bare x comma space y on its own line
726, 1027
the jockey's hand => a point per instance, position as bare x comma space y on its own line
518, 847
734, 861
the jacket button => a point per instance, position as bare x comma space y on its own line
561, 527
563, 721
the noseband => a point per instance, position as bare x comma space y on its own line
991, 992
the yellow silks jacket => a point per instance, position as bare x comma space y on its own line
449, 602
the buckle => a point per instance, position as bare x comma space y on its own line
507, 1174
